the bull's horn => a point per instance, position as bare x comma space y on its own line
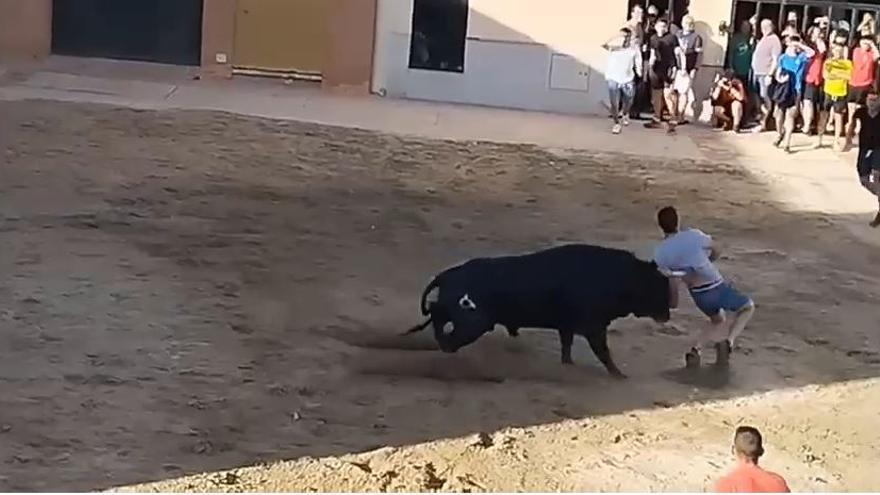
433, 296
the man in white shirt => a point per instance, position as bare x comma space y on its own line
691, 252
624, 63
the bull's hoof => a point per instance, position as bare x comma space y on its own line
692, 360
618, 375
722, 353
567, 361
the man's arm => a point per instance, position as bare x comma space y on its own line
808, 52
698, 47
637, 60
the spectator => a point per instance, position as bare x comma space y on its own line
663, 64
624, 64
867, 27
864, 61
837, 72
789, 90
791, 25
868, 163
637, 24
764, 61
691, 45
742, 45
728, 101
813, 93
747, 476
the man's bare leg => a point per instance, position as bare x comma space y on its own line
709, 335
824, 118
872, 184
672, 102
720, 118
850, 123
740, 320
779, 117
790, 117
838, 130
809, 114
736, 108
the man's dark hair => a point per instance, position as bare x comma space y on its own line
866, 37
667, 218
794, 38
748, 442
662, 20
728, 74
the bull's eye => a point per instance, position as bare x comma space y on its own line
466, 303
448, 328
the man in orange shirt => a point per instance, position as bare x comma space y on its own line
747, 477
864, 60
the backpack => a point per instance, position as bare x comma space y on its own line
783, 93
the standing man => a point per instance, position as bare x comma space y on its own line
868, 163
864, 59
742, 45
662, 61
636, 25
748, 477
692, 252
624, 64
837, 71
764, 60
691, 45
792, 66
813, 89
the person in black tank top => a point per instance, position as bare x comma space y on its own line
868, 163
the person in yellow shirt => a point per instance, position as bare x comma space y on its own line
837, 72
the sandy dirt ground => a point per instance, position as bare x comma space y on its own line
192, 292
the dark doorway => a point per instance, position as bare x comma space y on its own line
439, 35
167, 31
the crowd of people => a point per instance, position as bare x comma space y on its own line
817, 82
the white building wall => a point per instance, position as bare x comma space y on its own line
530, 54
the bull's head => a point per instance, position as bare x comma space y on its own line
458, 320
654, 293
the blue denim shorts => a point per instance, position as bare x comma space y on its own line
724, 296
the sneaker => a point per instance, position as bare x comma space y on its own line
653, 124
616, 129
692, 359
670, 128
625, 120
876, 221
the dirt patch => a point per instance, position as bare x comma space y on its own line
190, 292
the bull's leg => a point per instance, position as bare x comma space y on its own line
566, 338
598, 340
513, 331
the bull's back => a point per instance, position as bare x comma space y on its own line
552, 283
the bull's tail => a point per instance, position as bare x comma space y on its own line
418, 328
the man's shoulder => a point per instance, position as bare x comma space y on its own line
780, 485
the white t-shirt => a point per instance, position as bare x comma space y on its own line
688, 251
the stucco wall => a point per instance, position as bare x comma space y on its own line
25, 29
539, 56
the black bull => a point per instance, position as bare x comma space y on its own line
574, 289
